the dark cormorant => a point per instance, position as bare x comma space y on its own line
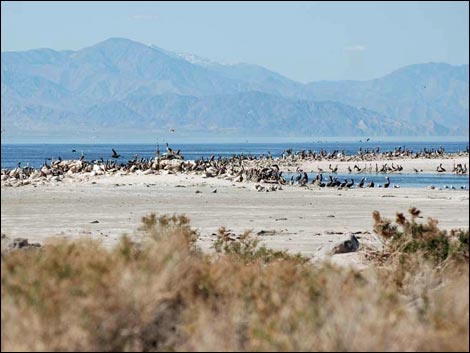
115, 154
361, 183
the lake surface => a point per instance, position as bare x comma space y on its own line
35, 154
402, 180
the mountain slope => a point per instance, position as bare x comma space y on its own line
117, 67
415, 94
124, 86
243, 114
263, 114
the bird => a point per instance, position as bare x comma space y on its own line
440, 169
361, 183
172, 130
168, 149
387, 184
157, 152
115, 154
368, 139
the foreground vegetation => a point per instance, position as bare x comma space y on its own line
162, 293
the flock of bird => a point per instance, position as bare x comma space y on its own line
385, 168
302, 179
459, 169
237, 168
368, 154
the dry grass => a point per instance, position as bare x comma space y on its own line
165, 294
411, 246
409, 237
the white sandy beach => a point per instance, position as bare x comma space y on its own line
297, 219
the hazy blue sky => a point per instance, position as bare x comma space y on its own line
303, 41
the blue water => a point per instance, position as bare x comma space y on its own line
35, 154
402, 180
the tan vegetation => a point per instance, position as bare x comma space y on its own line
162, 293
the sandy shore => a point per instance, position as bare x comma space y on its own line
299, 220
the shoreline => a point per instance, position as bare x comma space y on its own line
77, 170
305, 220
261, 140
427, 166
106, 199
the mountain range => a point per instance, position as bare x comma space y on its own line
127, 90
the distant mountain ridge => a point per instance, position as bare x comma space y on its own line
121, 85
416, 93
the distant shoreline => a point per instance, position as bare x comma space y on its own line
256, 141
76, 171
